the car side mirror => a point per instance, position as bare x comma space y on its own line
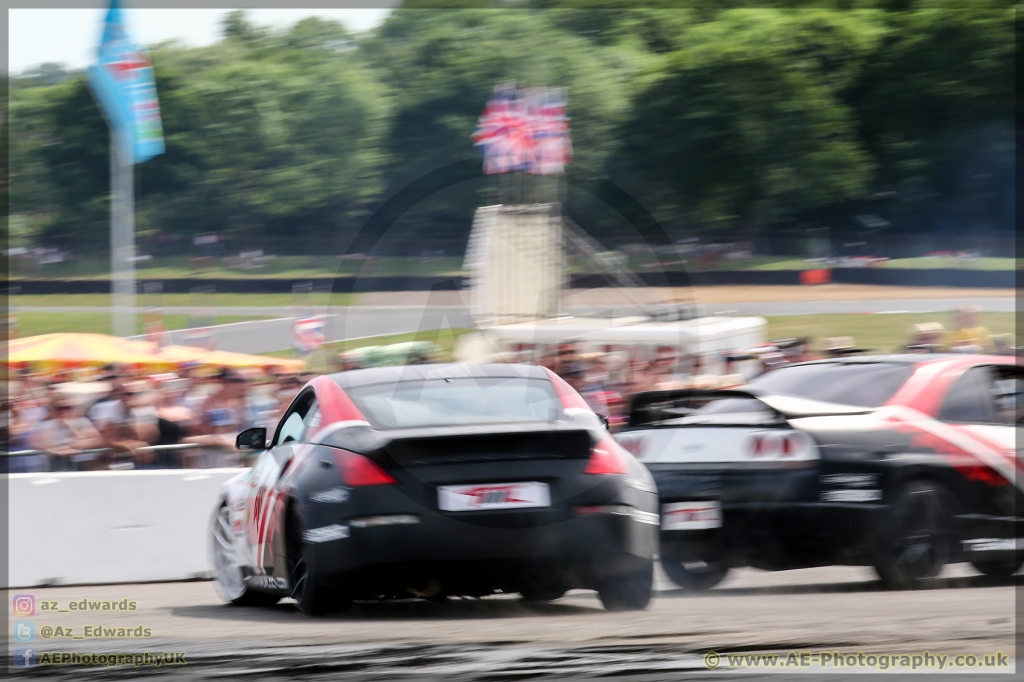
252, 439
604, 420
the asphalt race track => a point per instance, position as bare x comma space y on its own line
269, 335
501, 638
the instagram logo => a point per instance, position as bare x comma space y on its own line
24, 605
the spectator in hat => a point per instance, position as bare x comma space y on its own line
926, 338
67, 434
841, 346
771, 357
794, 350
969, 336
1001, 345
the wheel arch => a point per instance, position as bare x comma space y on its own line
899, 478
283, 539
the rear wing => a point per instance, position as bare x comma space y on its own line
656, 406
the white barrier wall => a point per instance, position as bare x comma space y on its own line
111, 526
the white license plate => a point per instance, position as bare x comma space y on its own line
691, 515
493, 496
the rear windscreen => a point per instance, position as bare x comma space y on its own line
453, 402
862, 384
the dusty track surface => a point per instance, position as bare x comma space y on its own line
503, 638
832, 292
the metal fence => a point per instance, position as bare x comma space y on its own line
245, 252
178, 456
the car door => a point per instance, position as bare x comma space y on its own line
263, 483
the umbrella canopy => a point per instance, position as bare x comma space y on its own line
74, 349
225, 358
71, 348
178, 355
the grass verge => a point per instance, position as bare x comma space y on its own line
184, 300
881, 332
33, 323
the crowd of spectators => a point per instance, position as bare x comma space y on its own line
967, 336
123, 418
120, 417
609, 380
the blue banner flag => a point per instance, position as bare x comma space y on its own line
122, 81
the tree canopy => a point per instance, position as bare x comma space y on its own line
718, 119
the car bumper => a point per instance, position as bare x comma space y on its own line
599, 529
783, 534
991, 538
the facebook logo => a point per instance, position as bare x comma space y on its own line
24, 657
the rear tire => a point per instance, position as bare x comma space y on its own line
692, 573
542, 594
917, 538
630, 592
998, 569
311, 597
253, 598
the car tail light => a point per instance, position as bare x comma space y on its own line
757, 445
775, 444
789, 446
983, 473
357, 470
768, 445
607, 458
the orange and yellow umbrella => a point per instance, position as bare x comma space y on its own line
225, 358
179, 355
72, 348
221, 358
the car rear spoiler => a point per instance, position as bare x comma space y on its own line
655, 406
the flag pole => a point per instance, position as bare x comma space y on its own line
122, 238
122, 83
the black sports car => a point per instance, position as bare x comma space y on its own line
904, 463
436, 480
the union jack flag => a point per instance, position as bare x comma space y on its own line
308, 334
526, 131
550, 130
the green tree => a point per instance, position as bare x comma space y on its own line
75, 151
745, 125
935, 105
712, 116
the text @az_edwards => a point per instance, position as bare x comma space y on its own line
95, 632
836, 660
